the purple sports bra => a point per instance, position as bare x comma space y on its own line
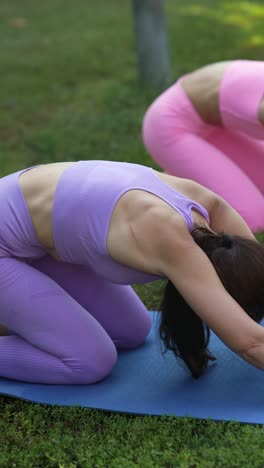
86, 195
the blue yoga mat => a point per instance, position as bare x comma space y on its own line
145, 382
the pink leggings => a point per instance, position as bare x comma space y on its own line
228, 160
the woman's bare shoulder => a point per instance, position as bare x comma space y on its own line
191, 189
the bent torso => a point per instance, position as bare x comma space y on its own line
39, 186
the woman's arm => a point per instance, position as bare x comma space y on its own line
190, 270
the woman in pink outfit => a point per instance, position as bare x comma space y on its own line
209, 127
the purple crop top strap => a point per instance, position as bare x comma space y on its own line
178, 201
86, 195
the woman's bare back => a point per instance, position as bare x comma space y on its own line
39, 186
202, 87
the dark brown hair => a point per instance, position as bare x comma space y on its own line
239, 263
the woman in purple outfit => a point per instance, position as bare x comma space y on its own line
74, 236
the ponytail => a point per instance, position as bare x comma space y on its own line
183, 332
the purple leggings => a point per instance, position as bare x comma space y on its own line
65, 322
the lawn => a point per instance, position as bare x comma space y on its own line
69, 91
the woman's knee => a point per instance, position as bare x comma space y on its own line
94, 365
136, 332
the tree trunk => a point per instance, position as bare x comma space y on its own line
151, 42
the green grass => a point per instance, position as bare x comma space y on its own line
69, 91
